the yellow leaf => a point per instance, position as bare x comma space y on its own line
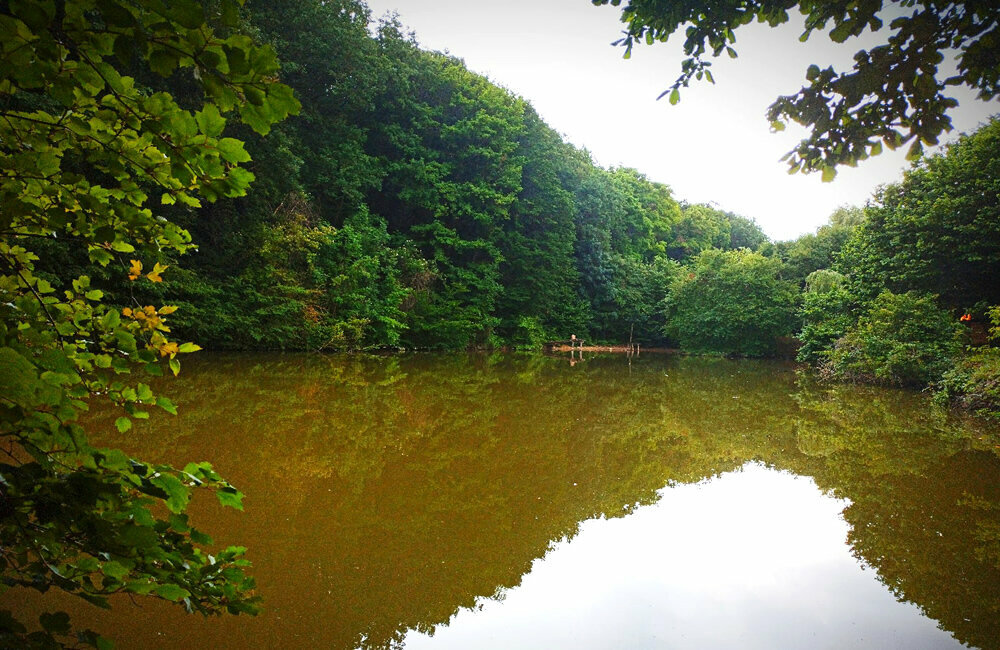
135, 269
168, 309
154, 275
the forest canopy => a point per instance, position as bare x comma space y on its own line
297, 176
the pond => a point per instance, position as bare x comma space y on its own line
517, 501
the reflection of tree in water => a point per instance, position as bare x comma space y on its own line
925, 504
386, 493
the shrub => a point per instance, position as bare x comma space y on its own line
903, 339
826, 313
974, 382
731, 302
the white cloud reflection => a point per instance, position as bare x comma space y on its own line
753, 559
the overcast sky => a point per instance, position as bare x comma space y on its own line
714, 146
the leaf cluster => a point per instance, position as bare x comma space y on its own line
86, 152
894, 94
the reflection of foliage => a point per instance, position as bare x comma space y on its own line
397, 490
923, 507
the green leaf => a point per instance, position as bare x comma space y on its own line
114, 570
172, 592
178, 494
829, 173
165, 404
188, 347
140, 587
210, 121
100, 256
199, 537
230, 497
18, 378
675, 96
123, 424
233, 151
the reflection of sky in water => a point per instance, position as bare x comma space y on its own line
753, 559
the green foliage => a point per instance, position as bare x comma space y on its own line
938, 231
744, 232
625, 225
821, 250
731, 302
540, 297
901, 339
700, 228
827, 312
87, 155
414, 203
895, 93
974, 382
447, 140
823, 280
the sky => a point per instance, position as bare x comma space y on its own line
715, 146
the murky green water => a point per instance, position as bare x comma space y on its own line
523, 502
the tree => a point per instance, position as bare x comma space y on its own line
89, 155
447, 141
938, 230
820, 250
895, 93
540, 279
827, 312
731, 302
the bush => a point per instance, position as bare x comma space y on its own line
903, 339
974, 383
528, 334
731, 302
826, 314
826, 317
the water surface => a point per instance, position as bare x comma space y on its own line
454, 501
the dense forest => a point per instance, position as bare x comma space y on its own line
414, 204
299, 176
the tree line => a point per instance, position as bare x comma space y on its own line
334, 187
414, 204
